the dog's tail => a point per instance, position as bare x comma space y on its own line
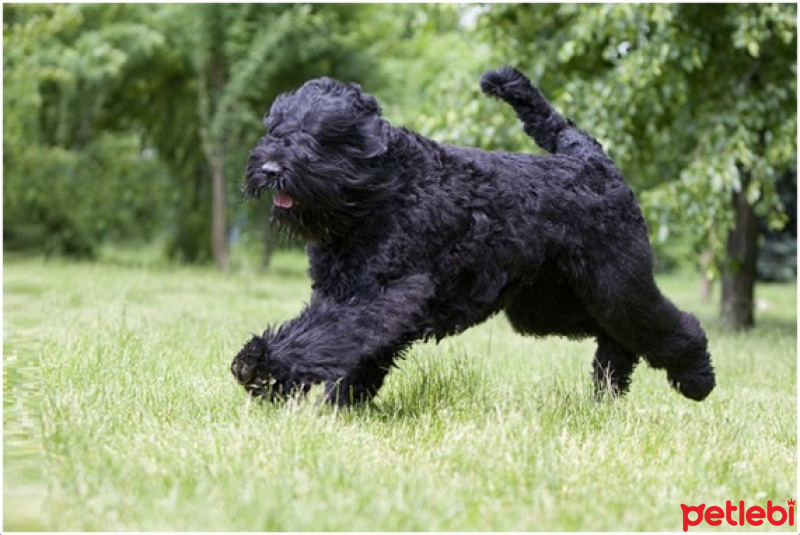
551, 130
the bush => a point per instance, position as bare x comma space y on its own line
60, 201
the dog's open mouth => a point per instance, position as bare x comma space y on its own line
281, 200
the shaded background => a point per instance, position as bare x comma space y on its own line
126, 127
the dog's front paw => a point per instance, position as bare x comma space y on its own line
245, 364
250, 370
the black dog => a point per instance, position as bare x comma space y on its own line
410, 239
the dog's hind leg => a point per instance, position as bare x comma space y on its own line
635, 313
612, 367
683, 352
554, 309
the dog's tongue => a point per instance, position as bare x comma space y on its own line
281, 200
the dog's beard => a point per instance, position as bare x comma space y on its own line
266, 178
307, 214
309, 223
328, 199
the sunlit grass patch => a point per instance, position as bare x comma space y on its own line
120, 414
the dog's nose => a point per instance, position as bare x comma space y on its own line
271, 168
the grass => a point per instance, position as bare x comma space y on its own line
120, 414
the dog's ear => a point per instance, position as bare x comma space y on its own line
374, 128
376, 137
360, 133
341, 117
367, 101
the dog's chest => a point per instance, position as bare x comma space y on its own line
342, 275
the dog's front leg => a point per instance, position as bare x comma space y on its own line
348, 345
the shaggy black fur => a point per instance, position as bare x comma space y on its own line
410, 239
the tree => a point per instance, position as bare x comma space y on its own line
74, 174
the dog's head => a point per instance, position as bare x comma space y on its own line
323, 159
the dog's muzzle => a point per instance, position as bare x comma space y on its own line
271, 178
271, 169
268, 179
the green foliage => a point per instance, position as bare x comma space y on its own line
91, 89
73, 175
433, 72
54, 203
743, 123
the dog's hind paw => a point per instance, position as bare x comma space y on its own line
696, 383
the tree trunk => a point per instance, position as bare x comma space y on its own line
213, 145
739, 273
219, 242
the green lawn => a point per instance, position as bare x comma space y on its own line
120, 414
